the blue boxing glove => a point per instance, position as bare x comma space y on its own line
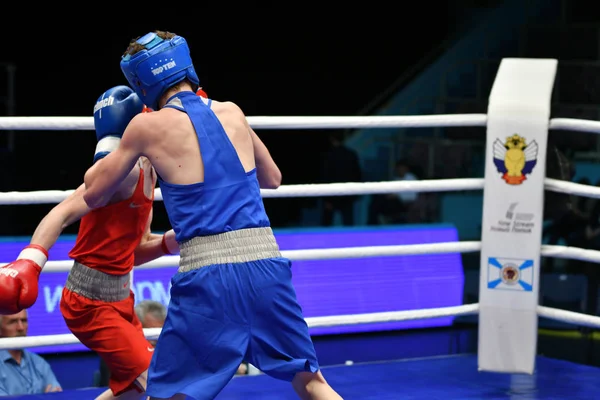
112, 113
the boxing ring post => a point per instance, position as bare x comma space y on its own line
516, 143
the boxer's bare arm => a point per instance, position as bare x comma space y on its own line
267, 172
67, 212
150, 247
62, 215
105, 177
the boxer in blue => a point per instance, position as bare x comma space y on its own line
232, 298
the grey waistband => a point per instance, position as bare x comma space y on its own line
239, 246
96, 285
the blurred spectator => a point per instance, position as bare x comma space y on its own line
584, 204
391, 208
589, 204
592, 231
557, 205
567, 227
566, 221
21, 371
151, 314
589, 239
341, 164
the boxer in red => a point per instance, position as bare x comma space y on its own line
97, 302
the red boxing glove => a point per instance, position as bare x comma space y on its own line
19, 280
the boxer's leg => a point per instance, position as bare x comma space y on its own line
202, 342
137, 391
280, 344
313, 386
113, 331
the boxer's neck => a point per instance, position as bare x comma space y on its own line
179, 87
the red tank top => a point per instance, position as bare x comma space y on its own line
108, 236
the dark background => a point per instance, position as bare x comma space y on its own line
300, 59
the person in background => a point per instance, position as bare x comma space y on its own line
21, 371
392, 207
341, 164
152, 314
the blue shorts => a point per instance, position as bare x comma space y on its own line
222, 315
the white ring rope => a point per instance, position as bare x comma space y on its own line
577, 125
380, 121
305, 190
314, 322
576, 189
331, 189
347, 122
336, 320
317, 254
570, 317
556, 251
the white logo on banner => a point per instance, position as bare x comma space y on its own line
510, 274
514, 221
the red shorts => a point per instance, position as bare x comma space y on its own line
113, 330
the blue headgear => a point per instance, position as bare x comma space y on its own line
161, 65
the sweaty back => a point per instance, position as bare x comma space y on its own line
229, 198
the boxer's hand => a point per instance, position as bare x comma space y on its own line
19, 280
51, 389
112, 113
114, 109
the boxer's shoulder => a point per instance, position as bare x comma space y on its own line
145, 125
229, 106
228, 110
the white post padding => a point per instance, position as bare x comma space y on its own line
513, 197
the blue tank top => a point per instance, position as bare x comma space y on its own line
229, 199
